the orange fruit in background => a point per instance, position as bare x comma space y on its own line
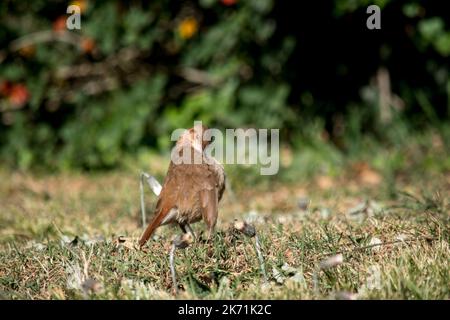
18, 95
83, 4
88, 45
59, 24
228, 2
187, 28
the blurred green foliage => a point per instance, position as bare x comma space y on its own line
137, 70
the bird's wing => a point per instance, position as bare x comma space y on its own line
208, 200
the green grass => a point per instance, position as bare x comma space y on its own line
389, 221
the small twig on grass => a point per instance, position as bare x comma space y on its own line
42, 266
260, 257
377, 244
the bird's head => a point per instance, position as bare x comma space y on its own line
196, 137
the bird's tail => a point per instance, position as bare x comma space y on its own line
156, 222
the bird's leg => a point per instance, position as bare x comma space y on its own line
186, 227
172, 267
182, 227
179, 242
154, 185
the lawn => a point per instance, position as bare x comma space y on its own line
357, 233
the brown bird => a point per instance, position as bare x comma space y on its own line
191, 191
